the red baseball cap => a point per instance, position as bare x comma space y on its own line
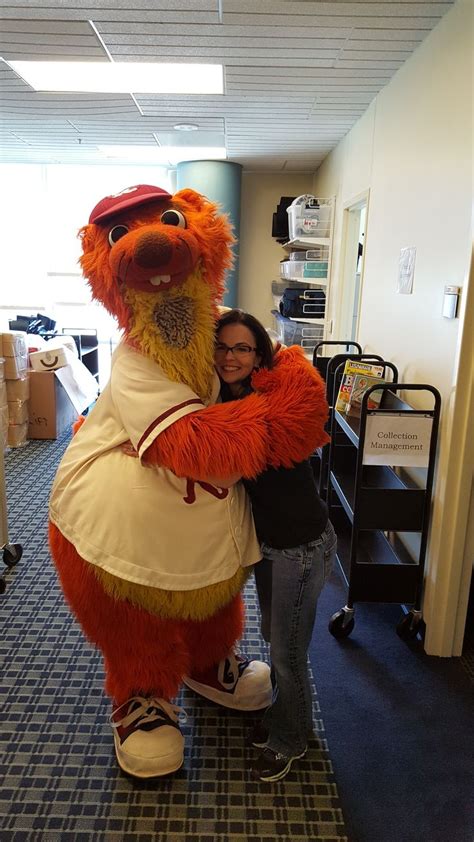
139, 194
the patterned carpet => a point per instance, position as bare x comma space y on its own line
60, 781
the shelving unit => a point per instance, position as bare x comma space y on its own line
307, 268
373, 500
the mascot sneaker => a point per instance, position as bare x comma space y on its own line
148, 742
236, 682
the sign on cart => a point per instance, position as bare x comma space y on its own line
398, 439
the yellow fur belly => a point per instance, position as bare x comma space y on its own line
198, 604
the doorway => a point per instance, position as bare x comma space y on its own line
354, 237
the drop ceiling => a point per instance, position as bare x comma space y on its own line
298, 74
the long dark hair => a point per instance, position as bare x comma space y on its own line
263, 342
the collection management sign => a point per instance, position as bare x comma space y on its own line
398, 439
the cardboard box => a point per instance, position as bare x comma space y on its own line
4, 424
2, 369
14, 344
17, 434
16, 367
50, 359
50, 409
18, 390
18, 412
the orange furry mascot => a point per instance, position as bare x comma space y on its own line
151, 534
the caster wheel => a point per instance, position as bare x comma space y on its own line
3, 586
409, 626
341, 624
12, 554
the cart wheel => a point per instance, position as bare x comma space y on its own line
410, 625
12, 554
3, 585
341, 624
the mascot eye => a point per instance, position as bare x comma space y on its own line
117, 232
173, 217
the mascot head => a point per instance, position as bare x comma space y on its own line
157, 263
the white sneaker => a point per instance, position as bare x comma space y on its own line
148, 742
236, 682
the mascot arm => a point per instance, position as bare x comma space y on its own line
279, 425
298, 409
226, 440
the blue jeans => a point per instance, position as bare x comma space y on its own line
289, 583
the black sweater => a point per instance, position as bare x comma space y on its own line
287, 508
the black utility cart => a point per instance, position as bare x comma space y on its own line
331, 371
380, 477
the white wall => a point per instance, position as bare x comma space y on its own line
260, 255
413, 150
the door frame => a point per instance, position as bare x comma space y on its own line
449, 575
349, 241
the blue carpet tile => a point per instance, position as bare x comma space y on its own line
399, 725
60, 780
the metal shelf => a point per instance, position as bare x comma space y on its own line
291, 245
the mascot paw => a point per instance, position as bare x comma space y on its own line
290, 366
148, 742
236, 682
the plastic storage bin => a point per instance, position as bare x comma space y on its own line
294, 332
316, 253
309, 218
304, 269
278, 288
303, 303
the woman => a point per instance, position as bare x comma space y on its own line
298, 546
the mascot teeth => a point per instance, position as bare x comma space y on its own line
157, 280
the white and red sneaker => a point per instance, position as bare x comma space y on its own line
236, 682
148, 742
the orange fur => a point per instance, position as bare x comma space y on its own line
280, 426
298, 409
143, 653
208, 233
78, 424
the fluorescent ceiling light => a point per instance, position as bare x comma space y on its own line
170, 155
121, 77
186, 127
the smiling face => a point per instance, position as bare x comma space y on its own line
233, 366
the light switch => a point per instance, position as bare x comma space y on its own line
450, 302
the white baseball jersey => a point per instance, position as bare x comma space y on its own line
143, 523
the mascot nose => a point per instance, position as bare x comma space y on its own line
152, 249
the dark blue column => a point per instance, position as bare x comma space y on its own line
219, 181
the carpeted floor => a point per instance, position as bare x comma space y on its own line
60, 781
399, 726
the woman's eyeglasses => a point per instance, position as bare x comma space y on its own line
239, 350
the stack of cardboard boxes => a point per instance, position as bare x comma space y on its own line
14, 351
42, 391
3, 404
